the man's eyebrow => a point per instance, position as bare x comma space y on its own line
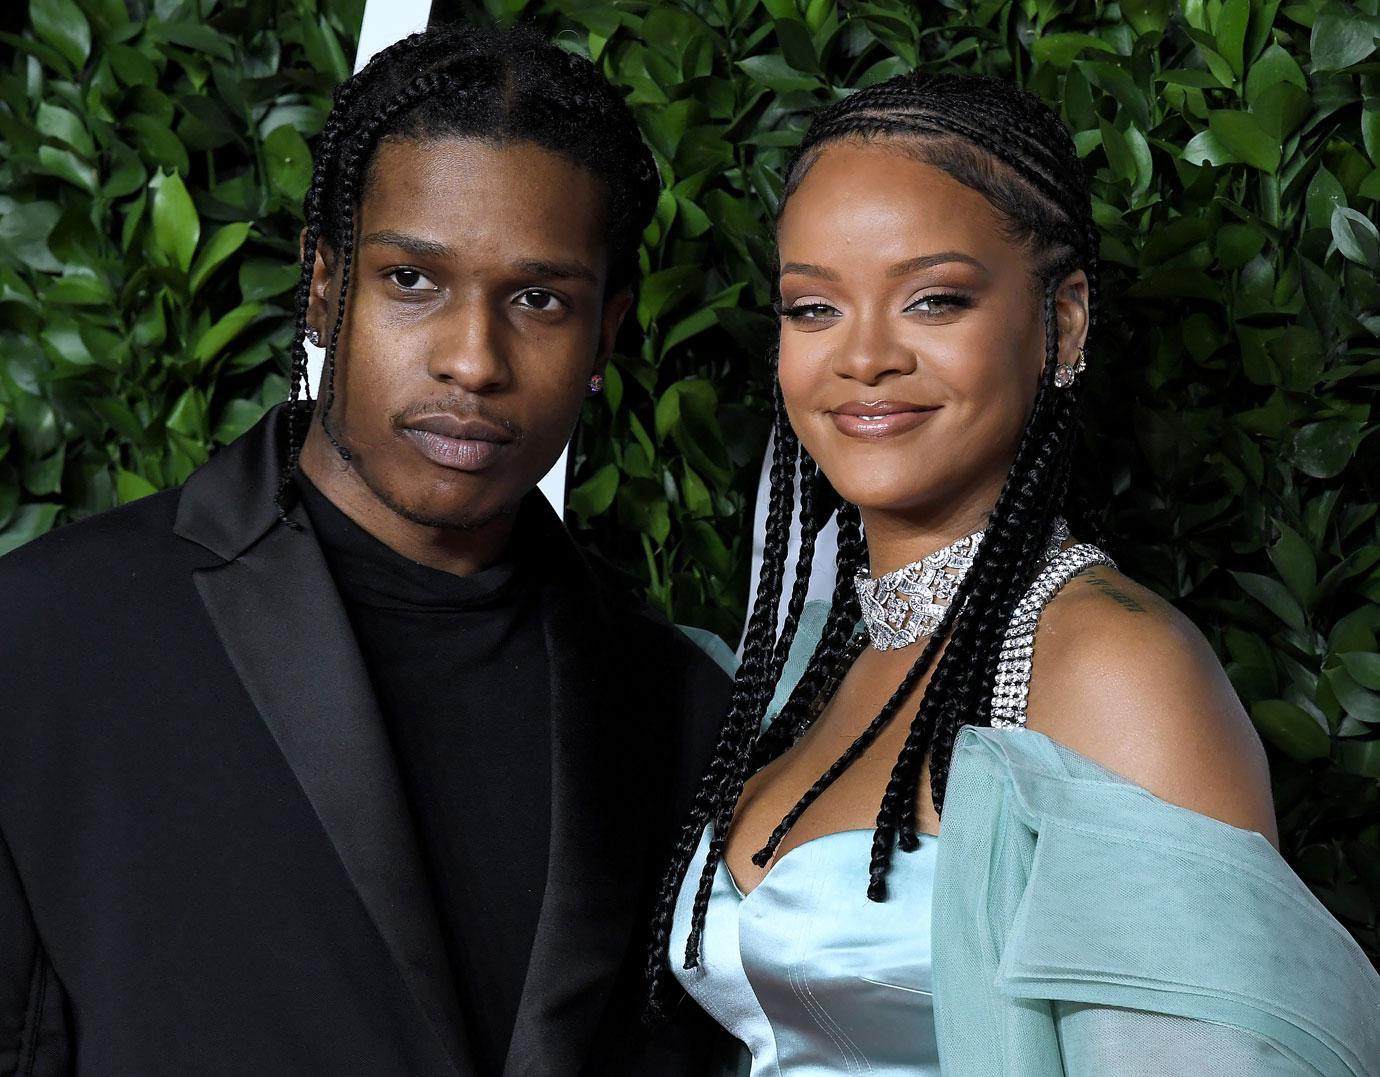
558, 270
925, 261
806, 269
414, 245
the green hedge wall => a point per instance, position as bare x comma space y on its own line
153, 160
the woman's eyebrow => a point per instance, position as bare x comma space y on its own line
806, 269
925, 261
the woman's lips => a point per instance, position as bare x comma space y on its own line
884, 419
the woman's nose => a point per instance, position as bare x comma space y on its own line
869, 350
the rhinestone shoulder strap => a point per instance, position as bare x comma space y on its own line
1012, 684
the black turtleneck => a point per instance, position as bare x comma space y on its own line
460, 668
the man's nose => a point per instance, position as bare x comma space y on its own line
469, 351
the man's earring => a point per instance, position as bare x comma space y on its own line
314, 335
1066, 374
596, 384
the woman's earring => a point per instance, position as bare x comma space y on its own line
314, 335
1066, 374
596, 384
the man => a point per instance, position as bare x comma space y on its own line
342, 759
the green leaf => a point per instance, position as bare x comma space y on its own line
1205, 148
1356, 237
213, 341
593, 496
188, 416
59, 123
662, 291
1146, 16
28, 522
1273, 595
289, 163
1231, 33
775, 73
1294, 561
1246, 138
1340, 40
62, 24
1324, 195
1359, 702
176, 226
1061, 50
1274, 66
223, 243
1363, 667
1324, 449
260, 279
236, 418
67, 165
1291, 729
130, 487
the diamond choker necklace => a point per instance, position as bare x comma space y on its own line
908, 603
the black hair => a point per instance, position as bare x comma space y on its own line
1004, 143
500, 86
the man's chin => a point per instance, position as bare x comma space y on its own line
440, 513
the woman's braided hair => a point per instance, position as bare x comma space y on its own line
498, 86
1008, 146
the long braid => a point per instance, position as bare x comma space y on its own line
752, 680
1005, 144
832, 654
808, 472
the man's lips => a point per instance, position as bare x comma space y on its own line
470, 444
875, 419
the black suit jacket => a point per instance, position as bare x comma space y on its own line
206, 861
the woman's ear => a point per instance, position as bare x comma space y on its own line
1071, 312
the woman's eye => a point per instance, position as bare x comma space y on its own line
411, 280
939, 303
538, 299
806, 312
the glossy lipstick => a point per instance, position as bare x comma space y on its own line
871, 420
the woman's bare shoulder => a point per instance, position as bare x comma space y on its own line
1122, 677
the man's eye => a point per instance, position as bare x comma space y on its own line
538, 299
411, 280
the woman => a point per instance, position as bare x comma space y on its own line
1104, 894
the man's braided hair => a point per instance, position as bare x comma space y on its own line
1008, 146
501, 87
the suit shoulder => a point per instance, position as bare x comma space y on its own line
89, 554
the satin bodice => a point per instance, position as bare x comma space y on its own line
808, 973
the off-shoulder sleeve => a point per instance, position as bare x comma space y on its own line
1084, 926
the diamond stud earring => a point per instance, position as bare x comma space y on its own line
1066, 374
596, 384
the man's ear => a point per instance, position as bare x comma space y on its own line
323, 270
616, 307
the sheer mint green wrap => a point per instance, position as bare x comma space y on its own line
1083, 926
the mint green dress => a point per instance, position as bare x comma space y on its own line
1067, 922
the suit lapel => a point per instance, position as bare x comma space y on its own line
281, 621
598, 842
